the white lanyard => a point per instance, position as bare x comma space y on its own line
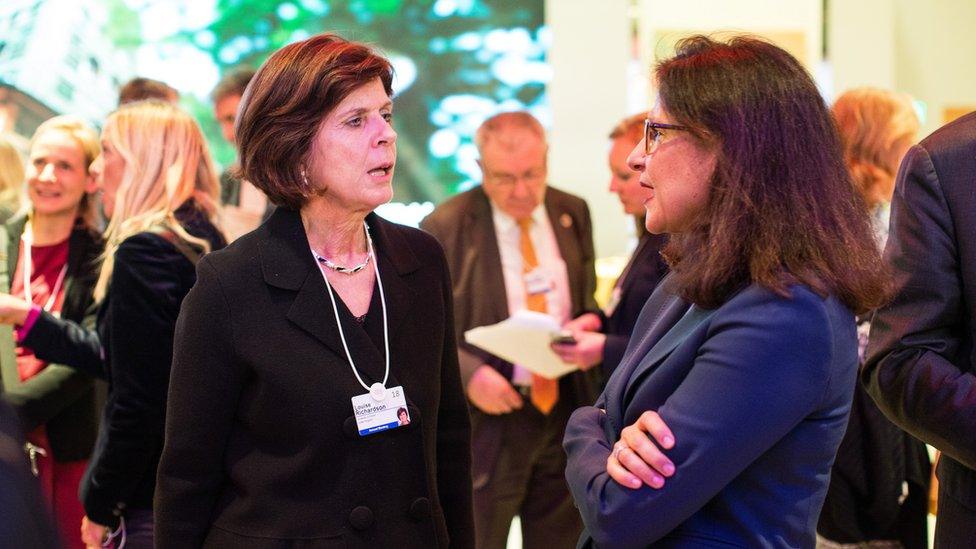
377, 390
28, 239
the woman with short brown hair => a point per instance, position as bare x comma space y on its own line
301, 342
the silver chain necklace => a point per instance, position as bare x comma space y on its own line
348, 270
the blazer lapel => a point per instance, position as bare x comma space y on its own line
15, 228
659, 315
481, 269
684, 327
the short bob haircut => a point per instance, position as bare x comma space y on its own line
286, 101
782, 209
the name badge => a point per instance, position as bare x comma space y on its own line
537, 281
375, 415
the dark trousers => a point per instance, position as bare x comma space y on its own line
955, 523
528, 480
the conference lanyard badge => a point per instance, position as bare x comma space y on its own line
380, 410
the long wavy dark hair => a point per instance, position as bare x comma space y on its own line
782, 208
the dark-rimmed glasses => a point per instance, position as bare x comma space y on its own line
652, 134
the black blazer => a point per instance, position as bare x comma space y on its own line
24, 519
921, 365
644, 271
465, 227
262, 449
132, 348
59, 397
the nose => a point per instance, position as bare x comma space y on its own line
614, 183
47, 172
96, 169
387, 135
637, 160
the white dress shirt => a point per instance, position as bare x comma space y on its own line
558, 301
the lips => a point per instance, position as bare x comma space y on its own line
381, 170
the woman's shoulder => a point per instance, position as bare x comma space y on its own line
799, 305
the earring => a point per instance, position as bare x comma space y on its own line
306, 186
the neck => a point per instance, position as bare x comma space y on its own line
51, 229
334, 233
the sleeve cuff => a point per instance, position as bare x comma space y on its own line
32, 316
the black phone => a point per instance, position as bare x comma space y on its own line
564, 337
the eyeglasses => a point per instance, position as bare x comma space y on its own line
652, 134
531, 177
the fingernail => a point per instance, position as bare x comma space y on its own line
657, 481
635, 483
667, 441
668, 469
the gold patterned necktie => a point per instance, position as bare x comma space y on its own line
545, 392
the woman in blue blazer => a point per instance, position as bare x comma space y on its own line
720, 424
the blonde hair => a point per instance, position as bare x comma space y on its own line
167, 163
87, 139
631, 127
11, 175
874, 124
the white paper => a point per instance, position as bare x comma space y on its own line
523, 339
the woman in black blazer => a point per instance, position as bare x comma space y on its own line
55, 247
159, 188
602, 336
292, 328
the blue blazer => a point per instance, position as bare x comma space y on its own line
757, 394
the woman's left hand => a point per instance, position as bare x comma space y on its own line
636, 460
13, 310
92, 533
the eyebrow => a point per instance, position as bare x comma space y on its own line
361, 110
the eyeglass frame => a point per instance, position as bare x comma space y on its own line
650, 145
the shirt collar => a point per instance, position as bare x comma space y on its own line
505, 222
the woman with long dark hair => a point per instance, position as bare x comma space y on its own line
721, 422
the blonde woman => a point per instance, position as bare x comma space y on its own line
52, 263
11, 178
159, 189
880, 479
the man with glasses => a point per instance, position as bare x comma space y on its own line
511, 244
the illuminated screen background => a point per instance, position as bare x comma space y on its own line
456, 61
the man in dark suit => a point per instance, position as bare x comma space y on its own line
512, 243
921, 366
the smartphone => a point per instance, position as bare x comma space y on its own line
564, 337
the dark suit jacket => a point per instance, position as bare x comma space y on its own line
465, 228
262, 449
59, 397
132, 348
24, 519
921, 367
643, 273
757, 394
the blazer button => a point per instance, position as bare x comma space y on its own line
361, 518
420, 509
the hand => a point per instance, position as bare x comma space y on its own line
13, 310
92, 533
636, 460
586, 353
586, 322
491, 392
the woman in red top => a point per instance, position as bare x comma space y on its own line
52, 252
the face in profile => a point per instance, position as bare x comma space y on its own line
353, 154
625, 182
225, 110
57, 174
108, 169
515, 171
676, 176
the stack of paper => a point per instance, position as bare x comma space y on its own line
523, 339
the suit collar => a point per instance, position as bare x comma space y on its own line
287, 263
